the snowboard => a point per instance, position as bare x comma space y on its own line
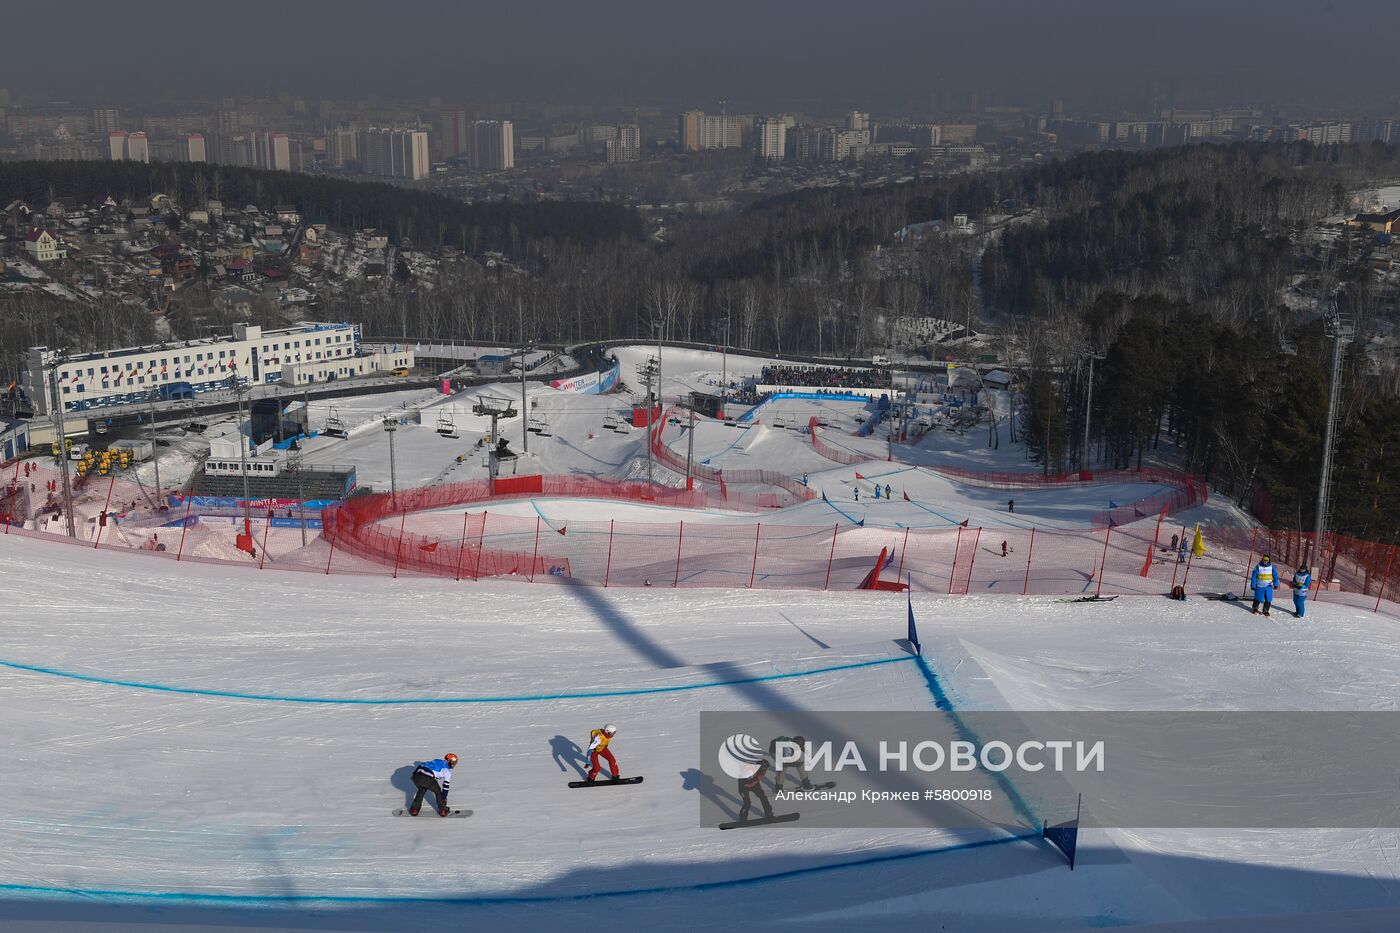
427, 812
827, 785
1089, 599
601, 782
761, 821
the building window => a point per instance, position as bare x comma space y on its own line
65, 390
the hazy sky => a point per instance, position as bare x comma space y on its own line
884, 51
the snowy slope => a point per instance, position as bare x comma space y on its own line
183, 730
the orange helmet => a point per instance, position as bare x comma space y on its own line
451, 760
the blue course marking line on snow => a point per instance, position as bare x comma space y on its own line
504, 899
943, 704
846, 515
538, 511
366, 701
726, 450
919, 505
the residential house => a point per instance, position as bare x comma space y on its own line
43, 246
1378, 223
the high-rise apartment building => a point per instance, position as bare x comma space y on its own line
492, 144
770, 139
270, 150
857, 120
699, 130
396, 153
190, 148
106, 120
688, 130
452, 128
627, 146
343, 147
131, 146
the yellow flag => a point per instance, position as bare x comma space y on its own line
1198, 544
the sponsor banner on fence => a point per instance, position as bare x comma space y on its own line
277, 521
968, 770
589, 383
230, 502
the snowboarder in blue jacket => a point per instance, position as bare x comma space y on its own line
1302, 584
435, 776
1263, 581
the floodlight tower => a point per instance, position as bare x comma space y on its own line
1341, 329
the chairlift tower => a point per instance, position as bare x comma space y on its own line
1341, 329
495, 408
648, 371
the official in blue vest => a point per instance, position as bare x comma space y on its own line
1263, 581
1302, 585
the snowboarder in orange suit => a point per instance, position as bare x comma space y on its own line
598, 751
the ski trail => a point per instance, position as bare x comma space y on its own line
726, 450
841, 512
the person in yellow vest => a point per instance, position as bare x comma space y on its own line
1264, 580
598, 752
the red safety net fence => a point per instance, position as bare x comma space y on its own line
720, 477
429, 532
1186, 490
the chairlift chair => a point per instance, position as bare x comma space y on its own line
334, 426
446, 426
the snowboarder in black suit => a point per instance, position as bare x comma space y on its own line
753, 785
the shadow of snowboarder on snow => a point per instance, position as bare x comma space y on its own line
697, 780
567, 753
402, 778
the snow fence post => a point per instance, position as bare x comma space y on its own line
753, 571
1029, 551
1386, 579
535, 556
607, 572
1253, 545
1103, 561
953, 571
680, 539
184, 527
398, 548
97, 538
462, 551
1176, 563
830, 557
902, 548
326, 523
976, 542
480, 548
262, 558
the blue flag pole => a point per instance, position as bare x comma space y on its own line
913, 629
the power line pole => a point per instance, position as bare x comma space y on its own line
155, 458
690, 451
1340, 330
238, 390
390, 427
61, 438
1088, 402
524, 403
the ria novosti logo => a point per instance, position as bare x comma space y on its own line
740, 755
